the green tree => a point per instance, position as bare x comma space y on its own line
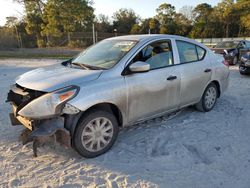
242, 8
153, 25
135, 29
183, 25
149, 23
8, 38
103, 24
63, 16
226, 10
202, 13
11, 21
165, 15
124, 20
33, 17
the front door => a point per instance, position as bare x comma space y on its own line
157, 91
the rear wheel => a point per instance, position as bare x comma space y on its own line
242, 73
208, 99
95, 134
242, 70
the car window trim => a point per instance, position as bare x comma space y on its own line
196, 52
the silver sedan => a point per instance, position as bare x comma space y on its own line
117, 82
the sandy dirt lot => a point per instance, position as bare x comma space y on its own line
193, 149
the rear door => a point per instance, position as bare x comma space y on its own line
195, 69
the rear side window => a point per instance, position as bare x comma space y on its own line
201, 52
189, 52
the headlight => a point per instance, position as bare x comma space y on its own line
49, 104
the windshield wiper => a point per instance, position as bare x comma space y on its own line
94, 67
80, 65
88, 67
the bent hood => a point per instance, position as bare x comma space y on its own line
50, 78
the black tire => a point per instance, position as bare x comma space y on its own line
202, 104
242, 73
235, 60
83, 122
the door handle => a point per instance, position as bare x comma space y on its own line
207, 70
172, 78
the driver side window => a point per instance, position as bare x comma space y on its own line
157, 55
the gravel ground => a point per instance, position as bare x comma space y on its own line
193, 149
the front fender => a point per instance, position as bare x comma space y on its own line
112, 91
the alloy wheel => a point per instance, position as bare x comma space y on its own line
97, 134
210, 97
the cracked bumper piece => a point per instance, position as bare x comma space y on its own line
19, 120
42, 130
51, 128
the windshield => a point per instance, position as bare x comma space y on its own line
227, 44
105, 54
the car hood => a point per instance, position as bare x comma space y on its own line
54, 77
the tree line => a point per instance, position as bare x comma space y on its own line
45, 20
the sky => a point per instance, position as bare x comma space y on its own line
144, 8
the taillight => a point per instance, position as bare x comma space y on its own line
225, 62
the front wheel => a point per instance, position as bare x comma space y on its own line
95, 134
208, 99
235, 60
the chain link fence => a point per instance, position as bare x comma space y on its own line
80, 39
12, 39
210, 42
8, 39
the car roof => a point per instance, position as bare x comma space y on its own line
146, 37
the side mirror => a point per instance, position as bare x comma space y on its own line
139, 66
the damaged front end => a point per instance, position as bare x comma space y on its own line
44, 114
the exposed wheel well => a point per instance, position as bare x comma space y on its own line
218, 86
110, 108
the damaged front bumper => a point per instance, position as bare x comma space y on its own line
42, 130
38, 131
18, 120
